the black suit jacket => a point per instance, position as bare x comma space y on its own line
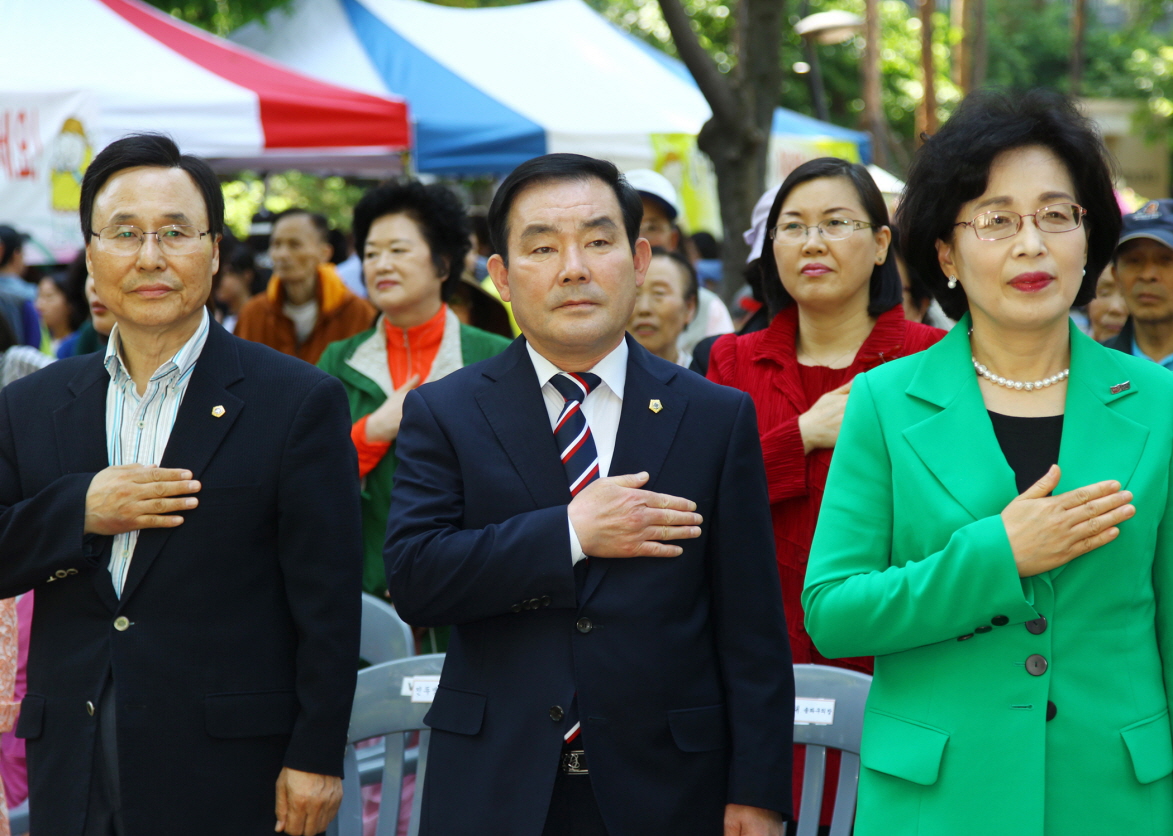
681, 665
234, 644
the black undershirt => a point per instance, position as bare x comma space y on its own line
1030, 445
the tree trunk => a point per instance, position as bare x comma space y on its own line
926, 114
962, 50
736, 138
1078, 26
873, 105
981, 44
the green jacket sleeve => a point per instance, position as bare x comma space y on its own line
865, 595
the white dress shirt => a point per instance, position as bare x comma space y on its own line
138, 428
601, 410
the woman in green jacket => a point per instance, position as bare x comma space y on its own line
412, 240
997, 527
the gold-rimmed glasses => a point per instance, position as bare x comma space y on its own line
126, 239
1002, 223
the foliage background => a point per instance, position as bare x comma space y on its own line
1029, 44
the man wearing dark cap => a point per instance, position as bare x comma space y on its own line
1143, 265
17, 295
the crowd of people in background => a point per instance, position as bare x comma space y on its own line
837, 283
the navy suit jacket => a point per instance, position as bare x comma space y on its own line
681, 665
233, 646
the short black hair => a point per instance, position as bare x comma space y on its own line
692, 282
884, 289
558, 167
319, 222
953, 167
438, 213
149, 149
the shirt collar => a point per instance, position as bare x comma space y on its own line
612, 369
1167, 361
181, 361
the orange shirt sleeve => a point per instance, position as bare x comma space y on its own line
370, 453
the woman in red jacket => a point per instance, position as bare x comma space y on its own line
835, 298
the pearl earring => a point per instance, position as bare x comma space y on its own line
952, 282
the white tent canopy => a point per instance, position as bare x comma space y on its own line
492, 87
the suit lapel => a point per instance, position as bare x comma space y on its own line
80, 428
644, 436
196, 436
958, 443
516, 413
1089, 418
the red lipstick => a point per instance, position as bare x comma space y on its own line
1032, 282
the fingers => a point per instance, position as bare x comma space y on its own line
629, 480
650, 548
1044, 486
672, 532
661, 516
668, 502
845, 388
409, 384
282, 805
1088, 493
144, 473
155, 521
1096, 507
1099, 524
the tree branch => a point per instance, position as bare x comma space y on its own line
713, 85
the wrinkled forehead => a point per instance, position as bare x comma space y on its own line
562, 204
151, 195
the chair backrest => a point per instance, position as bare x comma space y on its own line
383, 710
385, 636
849, 690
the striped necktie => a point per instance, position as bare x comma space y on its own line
575, 443
581, 460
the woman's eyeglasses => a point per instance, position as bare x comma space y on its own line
833, 229
999, 224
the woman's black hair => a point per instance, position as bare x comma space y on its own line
75, 287
884, 290
63, 281
437, 212
953, 168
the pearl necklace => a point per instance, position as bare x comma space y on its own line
1018, 384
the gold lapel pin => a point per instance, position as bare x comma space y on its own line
217, 411
1121, 387
655, 406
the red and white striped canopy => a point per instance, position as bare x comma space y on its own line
141, 69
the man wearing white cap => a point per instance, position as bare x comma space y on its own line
661, 209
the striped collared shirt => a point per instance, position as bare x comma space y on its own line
138, 428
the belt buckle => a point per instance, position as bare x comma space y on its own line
574, 762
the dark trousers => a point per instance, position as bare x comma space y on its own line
573, 811
104, 810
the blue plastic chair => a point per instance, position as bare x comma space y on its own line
382, 711
849, 689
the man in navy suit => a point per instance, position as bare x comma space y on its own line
185, 505
594, 522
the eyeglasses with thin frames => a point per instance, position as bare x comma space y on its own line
125, 239
1000, 223
833, 229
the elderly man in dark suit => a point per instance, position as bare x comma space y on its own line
594, 523
186, 508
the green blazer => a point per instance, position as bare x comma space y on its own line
361, 364
910, 562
